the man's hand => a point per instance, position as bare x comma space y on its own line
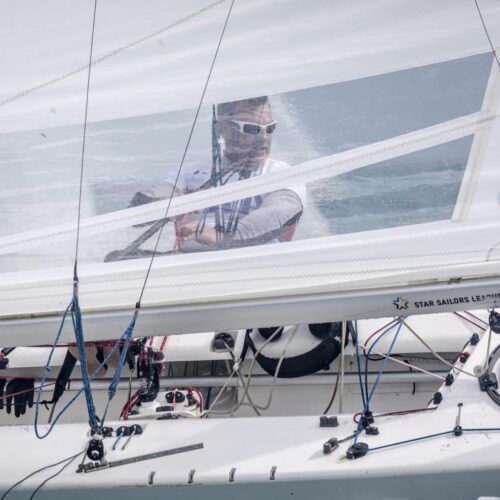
187, 231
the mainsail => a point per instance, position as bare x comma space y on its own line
390, 121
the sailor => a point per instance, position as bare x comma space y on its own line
242, 140
246, 130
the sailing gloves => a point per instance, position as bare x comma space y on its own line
17, 392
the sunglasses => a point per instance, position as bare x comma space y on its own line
253, 128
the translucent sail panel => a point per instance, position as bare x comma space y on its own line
40, 162
378, 152
151, 56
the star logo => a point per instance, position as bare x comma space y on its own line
401, 303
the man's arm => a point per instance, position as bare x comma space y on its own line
278, 210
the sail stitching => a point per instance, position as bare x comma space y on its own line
261, 278
169, 274
491, 250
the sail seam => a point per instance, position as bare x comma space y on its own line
491, 250
170, 275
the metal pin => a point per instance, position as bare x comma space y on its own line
151, 477
191, 476
127, 442
457, 422
272, 475
231, 474
51, 413
458, 431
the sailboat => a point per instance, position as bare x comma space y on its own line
386, 113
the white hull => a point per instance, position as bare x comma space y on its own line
239, 454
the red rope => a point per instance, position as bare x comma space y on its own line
12, 394
375, 333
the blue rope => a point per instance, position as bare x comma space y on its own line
76, 315
368, 397
47, 371
483, 429
430, 436
118, 370
407, 441
367, 358
75, 397
384, 364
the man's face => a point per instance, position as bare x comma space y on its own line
243, 149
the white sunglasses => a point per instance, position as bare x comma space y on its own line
253, 128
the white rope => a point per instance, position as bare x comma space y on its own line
408, 365
434, 353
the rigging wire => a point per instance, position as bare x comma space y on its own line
186, 147
84, 134
31, 474
45, 481
74, 306
112, 53
129, 331
495, 55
